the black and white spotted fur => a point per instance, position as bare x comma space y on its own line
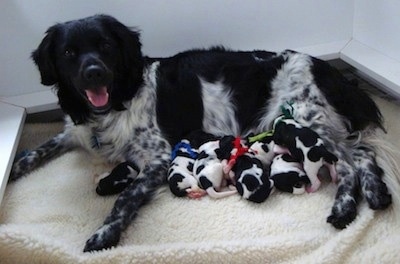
208, 170
181, 180
122, 106
252, 178
116, 181
306, 147
288, 175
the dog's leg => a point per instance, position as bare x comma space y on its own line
373, 188
126, 207
51, 149
344, 209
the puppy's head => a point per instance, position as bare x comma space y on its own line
95, 64
252, 181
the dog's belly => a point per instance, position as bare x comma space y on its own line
219, 110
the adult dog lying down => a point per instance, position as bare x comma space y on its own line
121, 106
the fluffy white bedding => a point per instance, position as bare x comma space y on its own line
47, 217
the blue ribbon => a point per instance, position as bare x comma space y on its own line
186, 146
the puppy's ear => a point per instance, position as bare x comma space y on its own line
43, 57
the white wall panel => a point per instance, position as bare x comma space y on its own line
377, 25
375, 48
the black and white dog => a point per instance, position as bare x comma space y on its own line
122, 106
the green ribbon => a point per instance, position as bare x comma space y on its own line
261, 136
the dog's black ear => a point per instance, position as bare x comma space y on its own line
129, 42
131, 59
43, 57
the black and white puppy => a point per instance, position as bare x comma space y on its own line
117, 180
252, 179
122, 106
180, 177
288, 175
305, 146
209, 171
263, 147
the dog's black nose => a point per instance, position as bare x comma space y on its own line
94, 74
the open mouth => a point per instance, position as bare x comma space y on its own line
98, 98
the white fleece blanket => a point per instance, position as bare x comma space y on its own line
47, 217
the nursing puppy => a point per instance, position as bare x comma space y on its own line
288, 175
122, 106
180, 177
306, 147
252, 179
209, 171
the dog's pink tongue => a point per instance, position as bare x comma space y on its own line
98, 97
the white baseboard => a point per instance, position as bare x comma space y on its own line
34, 102
325, 51
12, 119
383, 70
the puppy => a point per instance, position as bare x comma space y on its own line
262, 146
118, 179
180, 174
181, 178
305, 146
252, 180
209, 171
288, 175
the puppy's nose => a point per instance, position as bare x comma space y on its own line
94, 74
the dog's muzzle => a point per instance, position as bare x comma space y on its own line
97, 77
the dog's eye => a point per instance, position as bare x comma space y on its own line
69, 53
105, 46
298, 185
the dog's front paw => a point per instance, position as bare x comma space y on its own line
105, 237
15, 174
23, 163
343, 214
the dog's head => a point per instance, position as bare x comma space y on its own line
95, 64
